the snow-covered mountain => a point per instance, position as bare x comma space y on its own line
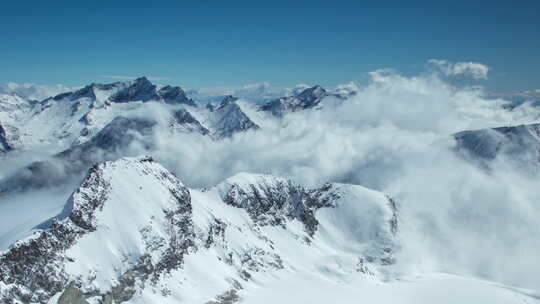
258, 93
519, 144
104, 225
133, 233
307, 99
75, 117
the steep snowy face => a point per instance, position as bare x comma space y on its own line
519, 144
129, 220
184, 121
175, 95
307, 99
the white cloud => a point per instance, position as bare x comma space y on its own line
469, 69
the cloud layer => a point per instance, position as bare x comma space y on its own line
394, 135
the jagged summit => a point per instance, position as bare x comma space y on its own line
227, 100
306, 99
140, 89
228, 118
175, 95
311, 94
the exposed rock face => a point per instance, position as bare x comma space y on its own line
227, 100
307, 99
272, 201
184, 120
4, 145
72, 295
141, 90
175, 95
46, 250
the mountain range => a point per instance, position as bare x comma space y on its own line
128, 230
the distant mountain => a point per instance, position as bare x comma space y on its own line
75, 117
306, 99
520, 144
517, 99
258, 93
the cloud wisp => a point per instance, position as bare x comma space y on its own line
474, 70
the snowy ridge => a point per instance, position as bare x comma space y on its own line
307, 99
133, 233
132, 229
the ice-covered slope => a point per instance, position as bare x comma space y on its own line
133, 233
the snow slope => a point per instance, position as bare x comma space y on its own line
134, 233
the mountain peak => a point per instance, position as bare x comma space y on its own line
306, 99
311, 93
174, 95
141, 89
227, 100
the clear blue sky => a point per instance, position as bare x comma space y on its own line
208, 43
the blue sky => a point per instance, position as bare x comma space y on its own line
210, 43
